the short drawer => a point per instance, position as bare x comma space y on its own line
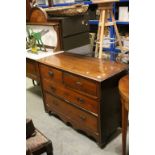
80, 84
50, 73
85, 120
73, 97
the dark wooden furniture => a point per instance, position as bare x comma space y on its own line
124, 92
28, 152
83, 92
30, 129
32, 70
31, 64
73, 31
28, 9
38, 143
29, 6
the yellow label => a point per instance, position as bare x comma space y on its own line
34, 49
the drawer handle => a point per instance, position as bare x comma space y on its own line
78, 83
81, 100
50, 73
53, 89
83, 118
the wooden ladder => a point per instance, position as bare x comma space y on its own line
106, 11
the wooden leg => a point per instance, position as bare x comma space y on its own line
49, 148
97, 40
35, 83
124, 129
116, 31
101, 33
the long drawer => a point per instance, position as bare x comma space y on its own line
73, 97
85, 119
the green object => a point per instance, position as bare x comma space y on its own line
33, 40
37, 36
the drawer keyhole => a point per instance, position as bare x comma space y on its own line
83, 118
50, 73
81, 100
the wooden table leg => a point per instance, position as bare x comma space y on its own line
124, 128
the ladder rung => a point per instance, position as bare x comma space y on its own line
105, 8
109, 23
97, 42
106, 24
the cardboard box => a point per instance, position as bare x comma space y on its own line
123, 14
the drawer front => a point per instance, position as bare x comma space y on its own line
73, 97
74, 25
32, 70
80, 84
50, 73
72, 113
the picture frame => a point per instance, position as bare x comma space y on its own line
42, 2
49, 34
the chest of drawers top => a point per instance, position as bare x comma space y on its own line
88, 67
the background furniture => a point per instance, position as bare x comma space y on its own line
29, 6
124, 92
31, 63
73, 31
38, 143
123, 26
32, 69
106, 12
28, 152
83, 92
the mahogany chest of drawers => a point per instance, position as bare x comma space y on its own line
83, 92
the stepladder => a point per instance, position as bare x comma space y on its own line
106, 19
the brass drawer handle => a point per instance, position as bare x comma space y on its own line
81, 100
50, 73
83, 118
78, 83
